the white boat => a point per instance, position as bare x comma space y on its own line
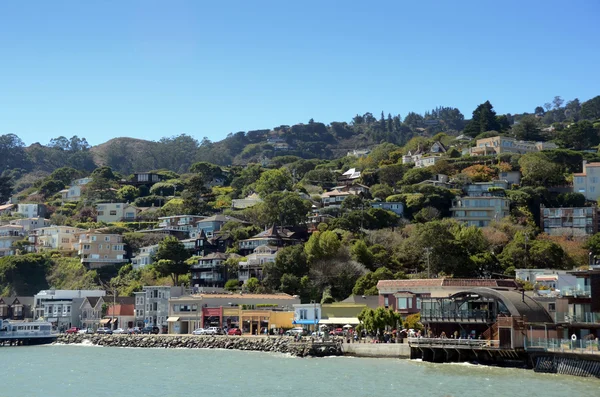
26, 333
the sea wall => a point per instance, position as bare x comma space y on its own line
387, 350
567, 364
265, 344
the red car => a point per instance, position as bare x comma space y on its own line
337, 332
72, 330
234, 331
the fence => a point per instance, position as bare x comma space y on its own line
563, 345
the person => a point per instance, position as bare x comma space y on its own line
443, 335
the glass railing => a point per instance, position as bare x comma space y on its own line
590, 318
587, 345
457, 315
583, 292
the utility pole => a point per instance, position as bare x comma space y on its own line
428, 251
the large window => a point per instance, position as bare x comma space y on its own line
405, 303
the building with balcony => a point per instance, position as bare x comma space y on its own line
502, 144
274, 236
152, 305
117, 212
569, 221
253, 265
425, 158
214, 224
218, 242
587, 182
55, 237
10, 234
210, 271
482, 203
184, 226
144, 257
553, 280
97, 249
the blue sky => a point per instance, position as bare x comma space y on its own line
148, 69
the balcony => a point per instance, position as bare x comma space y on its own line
581, 318
458, 316
577, 292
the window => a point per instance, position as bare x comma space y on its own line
386, 301
99, 246
405, 303
303, 314
100, 213
592, 189
551, 307
93, 238
107, 238
65, 240
113, 212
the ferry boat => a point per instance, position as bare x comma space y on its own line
26, 333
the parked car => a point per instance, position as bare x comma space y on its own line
318, 334
134, 331
337, 332
119, 331
103, 330
150, 330
295, 331
199, 331
72, 330
213, 331
234, 331
85, 331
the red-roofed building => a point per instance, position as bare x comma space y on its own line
405, 296
119, 316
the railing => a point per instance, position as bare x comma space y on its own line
103, 260
577, 292
591, 318
580, 346
453, 343
453, 315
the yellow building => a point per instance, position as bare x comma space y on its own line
340, 313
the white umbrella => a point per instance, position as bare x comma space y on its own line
347, 326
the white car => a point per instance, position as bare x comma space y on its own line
119, 331
213, 331
85, 331
199, 331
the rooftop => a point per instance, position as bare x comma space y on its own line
239, 296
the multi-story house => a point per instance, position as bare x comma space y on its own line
145, 178
502, 144
90, 311
350, 177
10, 234
219, 242
210, 271
31, 210
394, 206
588, 181
482, 203
186, 224
152, 305
307, 315
30, 224
569, 221
17, 308
97, 249
358, 153
6, 209
422, 159
512, 177
55, 237
253, 265
274, 236
117, 212
548, 278
214, 224
73, 193
144, 257
56, 306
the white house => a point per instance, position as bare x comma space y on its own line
253, 266
144, 257
307, 315
31, 210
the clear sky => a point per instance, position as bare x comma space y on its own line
148, 69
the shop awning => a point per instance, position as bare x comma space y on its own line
172, 319
547, 278
340, 321
306, 322
105, 321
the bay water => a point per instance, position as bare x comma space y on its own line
76, 370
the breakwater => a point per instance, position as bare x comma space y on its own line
264, 344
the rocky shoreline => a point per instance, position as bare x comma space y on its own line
284, 345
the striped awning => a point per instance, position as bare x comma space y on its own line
172, 319
105, 321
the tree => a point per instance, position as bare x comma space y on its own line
557, 102
290, 260
285, 208
272, 181
593, 244
367, 284
207, 170
252, 284
128, 193
579, 136
5, 188
171, 256
528, 129
590, 110
484, 119
416, 175
362, 254
232, 285
379, 320
381, 191
539, 171
65, 175
479, 173
539, 111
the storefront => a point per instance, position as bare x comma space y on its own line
212, 317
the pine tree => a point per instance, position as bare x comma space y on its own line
390, 124
484, 119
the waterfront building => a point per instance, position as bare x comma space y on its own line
56, 306
97, 249
569, 221
503, 144
152, 305
180, 223
17, 308
339, 314
349, 177
358, 153
582, 314
512, 177
250, 312
120, 316
425, 158
89, 311
307, 315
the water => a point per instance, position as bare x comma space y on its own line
77, 371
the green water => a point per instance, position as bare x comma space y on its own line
99, 371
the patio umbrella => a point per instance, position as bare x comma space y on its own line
347, 326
